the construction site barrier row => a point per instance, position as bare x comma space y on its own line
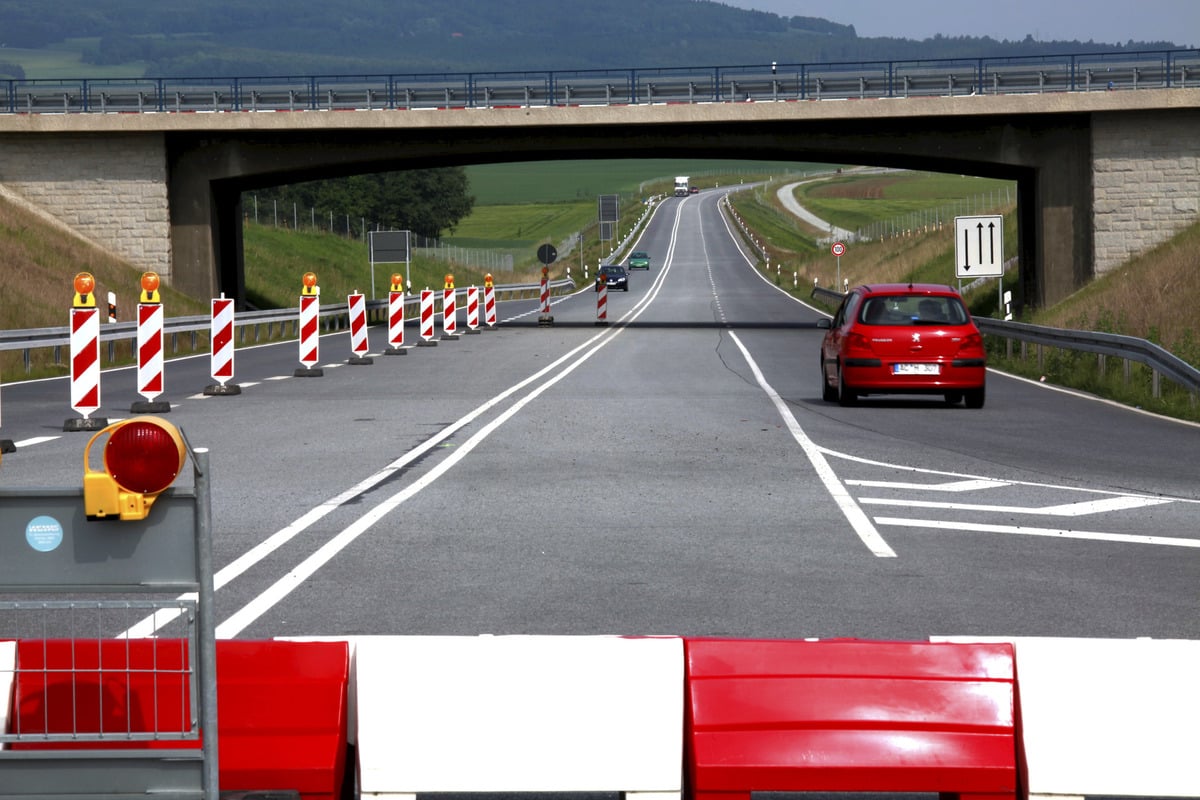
638, 717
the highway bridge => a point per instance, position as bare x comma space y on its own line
1101, 146
676, 474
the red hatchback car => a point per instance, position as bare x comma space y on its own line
901, 338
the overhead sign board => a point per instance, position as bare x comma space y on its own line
609, 210
979, 246
389, 247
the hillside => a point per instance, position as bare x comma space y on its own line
180, 38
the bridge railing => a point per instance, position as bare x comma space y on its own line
1077, 72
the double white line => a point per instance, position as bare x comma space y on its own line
559, 369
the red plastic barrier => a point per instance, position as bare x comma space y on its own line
281, 706
850, 716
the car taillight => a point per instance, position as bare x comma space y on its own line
856, 341
971, 342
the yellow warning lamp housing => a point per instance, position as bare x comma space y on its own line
142, 457
150, 283
309, 282
85, 287
449, 282
487, 281
397, 282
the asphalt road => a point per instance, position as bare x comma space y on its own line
672, 472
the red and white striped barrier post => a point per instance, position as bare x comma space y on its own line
150, 348
358, 330
310, 339
396, 317
472, 309
85, 357
427, 339
545, 319
489, 301
601, 303
449, 312
221, 348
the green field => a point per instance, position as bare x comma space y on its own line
856, 201
584, 181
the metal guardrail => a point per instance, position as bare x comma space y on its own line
1078, 72
1130, 348
331, 314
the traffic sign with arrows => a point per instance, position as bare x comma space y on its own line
979, 246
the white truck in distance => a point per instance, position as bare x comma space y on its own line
681, 186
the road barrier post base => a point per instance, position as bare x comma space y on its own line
217, 389
85, 424
308, 372
150, 407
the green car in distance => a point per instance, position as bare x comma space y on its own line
639, 259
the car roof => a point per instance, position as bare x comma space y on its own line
938, 289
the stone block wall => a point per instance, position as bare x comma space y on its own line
110, 189
1145, 182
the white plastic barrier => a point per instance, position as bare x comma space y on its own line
519, 714
1108, 717
8, 671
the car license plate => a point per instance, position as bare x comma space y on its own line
916, 369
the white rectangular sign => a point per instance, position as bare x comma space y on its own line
979, 246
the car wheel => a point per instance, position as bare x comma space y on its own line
624, 288
953, 398
828, 393
845, 395
975, 397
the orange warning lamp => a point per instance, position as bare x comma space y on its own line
150, 283
85, 286
142, 457
310, 283
397, 282
449, 282
487, 281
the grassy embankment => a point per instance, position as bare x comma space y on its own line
1152, 297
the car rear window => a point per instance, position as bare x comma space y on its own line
909, 309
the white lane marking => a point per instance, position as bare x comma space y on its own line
926, 471
266, 600
841, 495
35, 440
1058, 533
949, 486
153, 623
1062, 510
277, 378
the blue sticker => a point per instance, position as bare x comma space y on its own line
44, 534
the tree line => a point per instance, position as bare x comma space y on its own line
428, 202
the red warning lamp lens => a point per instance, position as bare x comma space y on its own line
150, 281
143, 457
310, 279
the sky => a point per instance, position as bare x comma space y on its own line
1101, 21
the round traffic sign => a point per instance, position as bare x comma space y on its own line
546, 254
838, 249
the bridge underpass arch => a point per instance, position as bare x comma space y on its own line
1048, 156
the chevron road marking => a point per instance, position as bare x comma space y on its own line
1065, 510
1058, 533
